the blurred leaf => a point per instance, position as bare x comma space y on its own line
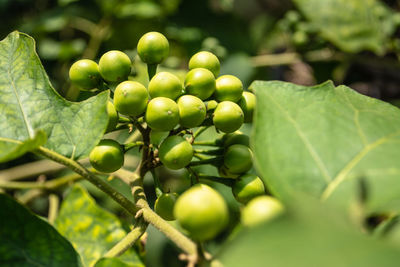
240, 66
115, 262
29, 103
144, 10
352, 25
51, 49
319, 140
27, 240
92, 230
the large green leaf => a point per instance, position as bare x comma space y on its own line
28, 103
307, 236
92, 230
319, 140
27, 240
352, 25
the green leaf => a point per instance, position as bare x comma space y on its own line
29, 103
114, 262
319, 140
352, 25
92, 230
27, 240
307, 235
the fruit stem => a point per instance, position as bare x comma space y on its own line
132, 145
53, 208
157, 184
151, 70
210, 151
207, 143
213, 161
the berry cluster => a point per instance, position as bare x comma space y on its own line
165, 113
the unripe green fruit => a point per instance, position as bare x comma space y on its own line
85, 74
165, 84
153, 48
107, 156
261, 209
238, 159
175, 152
205, 60
130, 98
200, 82
164, 206
115, 66
201, 211
162, 114
211, 105
247, 187
228, 88
112, 117
236, 138
192, 111
228, 117
248, 103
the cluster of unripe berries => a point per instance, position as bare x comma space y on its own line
169, 108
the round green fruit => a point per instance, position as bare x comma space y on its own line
200, 82
85, 74
112, 117
247, 187
165, 84
236, 138
115, 66
153, 48
261, 209
162, 114
164, 206
201, 211
228, 117
130, 98
228, 88
175, 152
238, 159
211, 105
107, 156
205, 60
192, 111
248, 103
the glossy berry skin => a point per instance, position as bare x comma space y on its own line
192, 111
200, 82
201, 211
153, 48
164, 206
228, 88
248, 103
165, 84
175, 152
228, 117
107, 156
112, 117
238, 159
261, 209
247, 187
236, 138
206, 60
85, 74
162, 114
130, 98
115, 66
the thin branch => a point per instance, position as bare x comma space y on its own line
48, 185
53, 208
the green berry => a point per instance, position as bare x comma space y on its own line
201, 211
130, 98
192, 111
112, 117
247, 103
238, 159
228, 88
175, 152
165, 84
228, 117
162, 114
211, 105
115, 66
236, 138
153, 48
85, 74
261, 209
200, 82
205, 60
164, 206
247, 187
107, 156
